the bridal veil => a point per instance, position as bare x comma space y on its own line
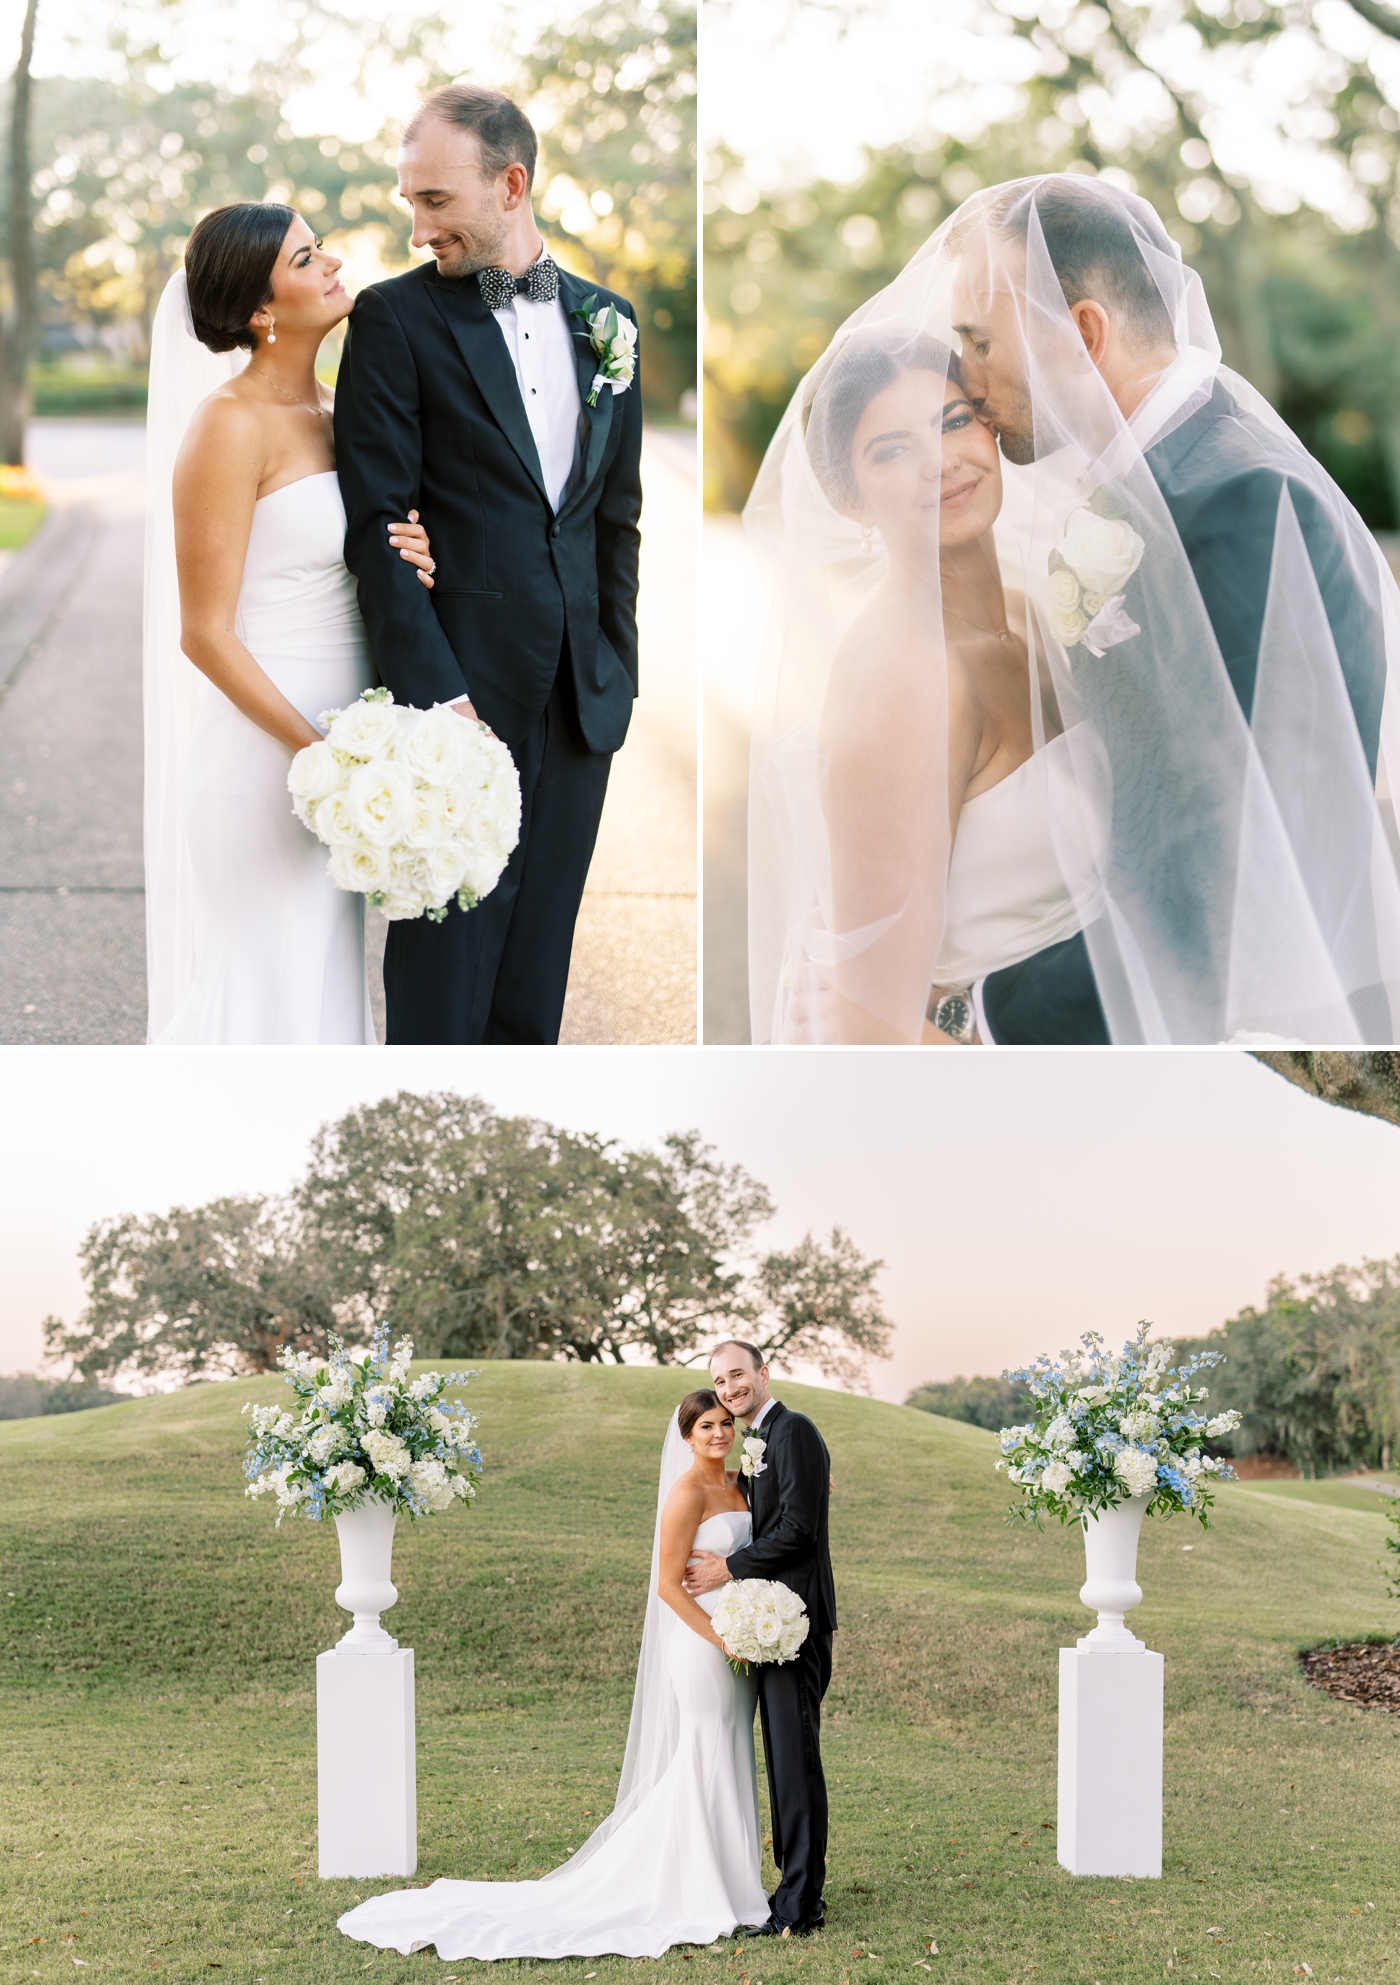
1228, 831
183, 372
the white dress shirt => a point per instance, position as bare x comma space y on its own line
542, 351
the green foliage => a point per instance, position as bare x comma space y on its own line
19, 522
158, 1717
480, 1236
1392, 1544
198, 1293
24, 1398
614, 90
992, 1403
1316, 1373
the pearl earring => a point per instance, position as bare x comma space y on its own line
867, 536
271, 333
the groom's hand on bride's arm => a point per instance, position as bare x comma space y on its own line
706, 1573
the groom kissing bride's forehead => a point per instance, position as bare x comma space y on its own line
497, 394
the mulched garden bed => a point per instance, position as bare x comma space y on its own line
1366, 1673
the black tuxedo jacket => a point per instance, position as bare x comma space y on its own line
1221, 473
790, 1502
428, 416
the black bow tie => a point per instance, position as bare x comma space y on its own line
500, 288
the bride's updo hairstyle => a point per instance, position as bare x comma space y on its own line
860, 368
229, 259
694, 1407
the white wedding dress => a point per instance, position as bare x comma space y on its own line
279, 950
683, 1867
1009, 895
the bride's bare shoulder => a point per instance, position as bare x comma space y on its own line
228, 425
884, 671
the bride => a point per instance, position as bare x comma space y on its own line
678, 1860
249, 942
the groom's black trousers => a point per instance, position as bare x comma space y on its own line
498, 973
790, 1713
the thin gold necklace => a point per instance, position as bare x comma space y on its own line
1002, 633
305, 405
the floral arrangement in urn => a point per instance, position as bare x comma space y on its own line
365, 1432
1110, 1429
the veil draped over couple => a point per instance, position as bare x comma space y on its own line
679, 1860
1077, 720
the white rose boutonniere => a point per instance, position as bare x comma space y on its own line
751, 1460
614, 342
1093, 561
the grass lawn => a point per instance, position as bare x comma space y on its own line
18, 522
157, 1640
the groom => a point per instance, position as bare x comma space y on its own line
464, 393
788, 1495
1220, 472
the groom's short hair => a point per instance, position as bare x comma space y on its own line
503, 131
734, 1344
1094, 249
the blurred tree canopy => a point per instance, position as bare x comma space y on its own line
122, 170
1307, 304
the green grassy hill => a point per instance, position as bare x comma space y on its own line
157, 1641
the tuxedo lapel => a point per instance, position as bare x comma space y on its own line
594, 422
483, 348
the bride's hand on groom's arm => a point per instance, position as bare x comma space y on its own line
410, 540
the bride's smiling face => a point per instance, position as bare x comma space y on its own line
926, 471
712, 1436
307, 293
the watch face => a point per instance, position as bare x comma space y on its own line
953, 1015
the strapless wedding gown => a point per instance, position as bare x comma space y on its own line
684, 1868
1009, 895
279, 950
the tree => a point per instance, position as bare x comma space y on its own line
20, 334
614, 96
1369, 1083
507, 1237
992, 1403
209, 1292
817, 1304
1315, 1373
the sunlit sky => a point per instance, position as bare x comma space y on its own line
797, 98
1016, 1198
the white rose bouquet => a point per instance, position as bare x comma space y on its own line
759, 1619
1089, 568
1108, 1428
364, 1430
416, 806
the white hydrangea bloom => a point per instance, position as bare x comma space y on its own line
1061, 1431
1057, 1478
345, 1477
1140, 1425
387, 1452
1137, 1468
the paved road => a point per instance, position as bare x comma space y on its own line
72, 912
736, 606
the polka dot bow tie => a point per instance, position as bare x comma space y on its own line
500, 288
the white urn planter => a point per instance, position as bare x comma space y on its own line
1110, 1559
366, 1763
366, 1588
1110, 1777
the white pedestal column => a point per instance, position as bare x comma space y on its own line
366, 1765
1110, 1817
